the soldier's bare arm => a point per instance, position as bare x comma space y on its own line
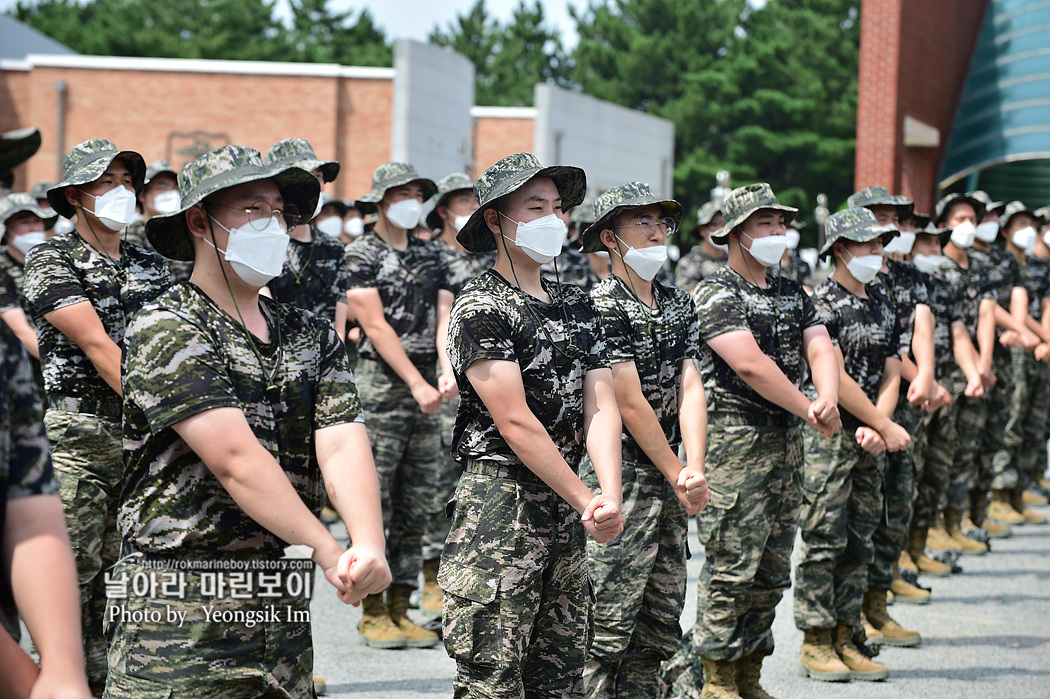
920, 388
601, 429
20, 672
81, 324
367, 307
743, 355
691, 486
853, 399
824, 368
889, 387
641, 422
986, 315
966, 357
447, 379
345, 458
19, 324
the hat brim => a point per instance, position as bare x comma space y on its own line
329, 168
48, 219
18, 146
91, 171
978, 208
591, 237
571, 182
366, 203
170, 237
723, 233
433, 219
886, 233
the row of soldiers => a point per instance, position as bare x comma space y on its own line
523, 437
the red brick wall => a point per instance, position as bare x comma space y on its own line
497, 137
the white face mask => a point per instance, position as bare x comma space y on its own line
25, 242
963, 235
541, 239
331, 226
167, 202
767, 251
256, 256
604, 254
1025, 239
793, 237
987, 231
864, 268
645, 262
901, 245
405, 213
63, 225
354, 226
317, 209
927, 263
115, 209
459, 221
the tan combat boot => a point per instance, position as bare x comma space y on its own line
861, 667
953, 525
872, 636
431, 599
979, 515
719, 680
1030, 497
1002, 512
748, 674
320, 686
376, 628
904, 562
893, 634
819, 660
397, 604
906, 593
1030, 516
925, 564
938, 538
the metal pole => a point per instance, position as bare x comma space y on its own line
60, 126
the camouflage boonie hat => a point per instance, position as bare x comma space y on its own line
929, 229
18, 146
85, 163
39, 190
339, 204
941, 211
159, 167
446, 186
507, 176
797, 224
390, 175
989, 205
296, 152
1013, 209
221, 169
857, 224
744, 201
706, 212
1043, 214
615, 201
20, 201
583, 213
880, 196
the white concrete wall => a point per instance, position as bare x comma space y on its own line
615, 145
433, 94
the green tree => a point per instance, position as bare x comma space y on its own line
508, 59
321, 35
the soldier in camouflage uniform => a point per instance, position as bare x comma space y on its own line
23, 222
235, 408
706, 258
160, 195
843, 478
531, 359
1040, 260
83, 287
758, 330
398, 290
653, 338
572, 265
792, 266
39, 192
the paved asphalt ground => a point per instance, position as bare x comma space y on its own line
986, 634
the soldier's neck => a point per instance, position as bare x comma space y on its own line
958, 254
711, 251
391, 235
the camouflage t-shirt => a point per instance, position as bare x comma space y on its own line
464, 266
312, 276
953, 297
999, 272
12, 286
25, 461
1036, 273
906, 287
554, 346
185, 356
135, 234
573, 268
798, 271
657, 341
777, 316
866, 330
66, 270
408, 282
694, 266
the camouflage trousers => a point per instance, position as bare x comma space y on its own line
517, 602
1032, 458
444, 481
1004, 467
898, 493
972, 416
842, 492
406, 446
195, 644
87, 452
934, 455
1001, 439
639, 586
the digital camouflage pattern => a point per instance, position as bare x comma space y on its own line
573, 267
639, 585
1036, 277
464, 266
706, 212
999, 273
906, 287
387, 176
18, 202
1031, 464
618, 200
875, 196
898, 493
135, 234
955, 294
943, 207
517, 602
441, 484
12, 286
158, 167
408, 282
658, 341
935, 454
85, 163
1003, 439
554, 345
297, 152
186, 356
866, 330
797, 269
66, 270
777, 316
856, 225
446, 186
842, 506
740, 203
312, 277
694, 266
